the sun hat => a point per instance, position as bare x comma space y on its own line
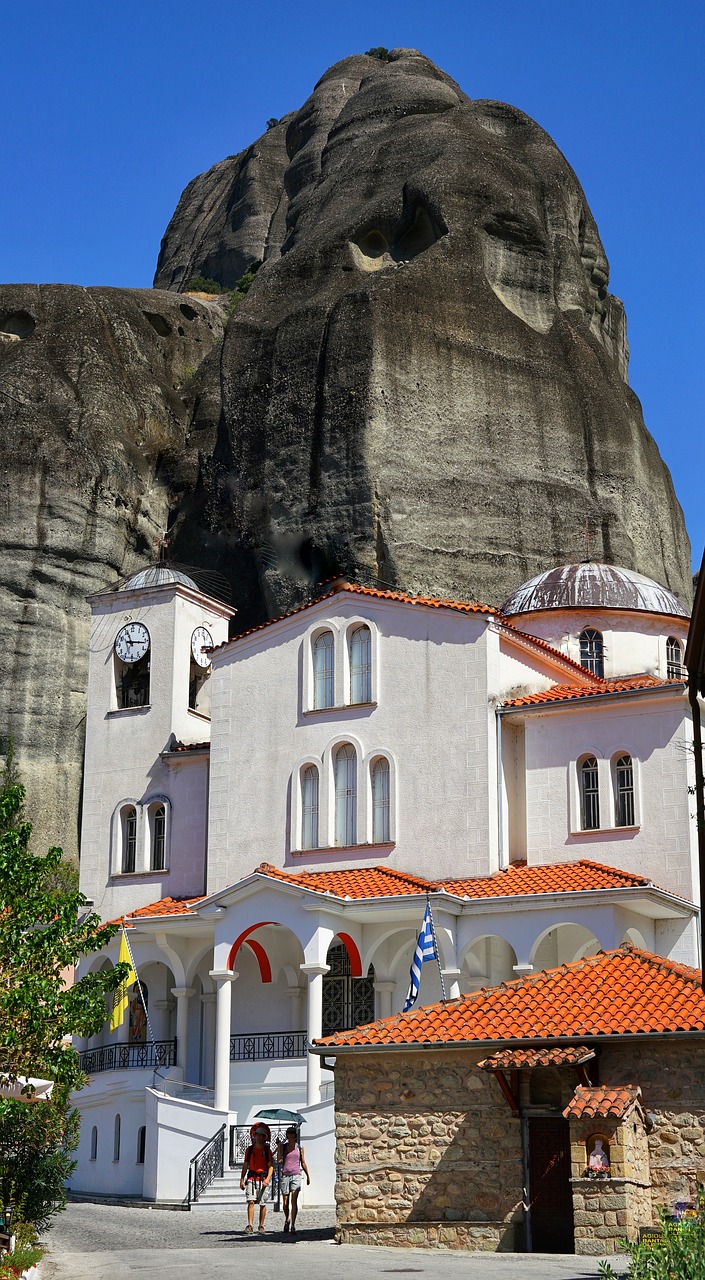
259, 1127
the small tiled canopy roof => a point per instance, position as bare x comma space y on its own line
164, 907
569, 692
602, 1100
513, 1059
623, 992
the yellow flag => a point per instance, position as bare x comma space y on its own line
120, 997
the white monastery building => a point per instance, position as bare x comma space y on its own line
268, 814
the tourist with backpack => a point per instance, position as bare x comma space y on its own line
256, 1175
290, 1155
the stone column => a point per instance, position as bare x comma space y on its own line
314, 1028
451, 978
223, 994
182, 995
384, 1001
208, 1045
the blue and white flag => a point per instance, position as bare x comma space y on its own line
425, 950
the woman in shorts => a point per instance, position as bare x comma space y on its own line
290, 1154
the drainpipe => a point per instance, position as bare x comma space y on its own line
503, 860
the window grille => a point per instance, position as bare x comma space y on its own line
159, 839
345, 795
674, 659
592, 651
129, 839
361, 665
347, 1001
624, 791
589, 795
380, 801
309, 808
324, 671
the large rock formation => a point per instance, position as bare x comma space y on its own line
425, 386
92, 396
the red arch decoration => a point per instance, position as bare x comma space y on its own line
243, 936
265, 969
353, 954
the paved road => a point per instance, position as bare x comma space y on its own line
105, 1242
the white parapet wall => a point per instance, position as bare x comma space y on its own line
176, 1131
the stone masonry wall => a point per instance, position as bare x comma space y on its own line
606, 1210
427, 1153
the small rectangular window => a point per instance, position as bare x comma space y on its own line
589, 795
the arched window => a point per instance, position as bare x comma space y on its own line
674, 659
624, 791
381, 826
361, 665
309, 808
589, 795
141, 1139
129, 838
116, 1138
347, 1001
592, 651
94, 1143
324, 671
158, 837
345, 795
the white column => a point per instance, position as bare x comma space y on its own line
386, 991
223, 1008
451, 978
314, 1028
182, 995
208, 1044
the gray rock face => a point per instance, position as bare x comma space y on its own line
426, 384
94, 419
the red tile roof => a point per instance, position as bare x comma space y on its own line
519, 879
536, 642
512, 1059
602, 1101
191, 746
164, 907
624, 992
567, 693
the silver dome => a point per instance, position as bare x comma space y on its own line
592, 586
158, 575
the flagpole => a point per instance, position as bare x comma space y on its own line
138, 984
435, 946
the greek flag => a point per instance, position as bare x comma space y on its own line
425, 950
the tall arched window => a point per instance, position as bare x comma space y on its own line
674, 659
345, 795
129, 838
624, 791
309, 808
381, 825
116, 1138
361, 665
141, 1140
592, 651
589, 795
347, 1001
94, 1143
324, 671
158, 834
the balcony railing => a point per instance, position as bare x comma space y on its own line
254, 1046
126, 1057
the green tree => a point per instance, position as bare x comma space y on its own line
204, 284
43, 933
378, 52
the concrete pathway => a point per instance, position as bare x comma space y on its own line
106, 1242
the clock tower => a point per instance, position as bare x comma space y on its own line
145, 790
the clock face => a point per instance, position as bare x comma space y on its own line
200, 640
132, 642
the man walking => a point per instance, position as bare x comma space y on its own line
256, 1175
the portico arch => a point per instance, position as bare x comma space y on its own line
487, 961
562, 944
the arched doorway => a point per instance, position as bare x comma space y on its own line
347, 1001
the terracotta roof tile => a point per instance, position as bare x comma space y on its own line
623, 992
567, 693
512, 1059
535, 641
164, 907
361, 882
191, 746
604, 1100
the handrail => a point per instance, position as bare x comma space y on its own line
212, 1165
144, 1055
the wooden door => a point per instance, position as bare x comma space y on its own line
550, 1193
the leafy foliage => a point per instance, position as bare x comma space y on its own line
44, 931
204, 284
378, 52
23, 1257
272, 122
678, 1253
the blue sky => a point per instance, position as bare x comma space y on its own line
110, 109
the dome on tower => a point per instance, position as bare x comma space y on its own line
592, 586
158, 575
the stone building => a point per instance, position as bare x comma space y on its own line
556, 1112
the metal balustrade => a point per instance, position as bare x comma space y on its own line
206, 1165
255, 1046
128, 1057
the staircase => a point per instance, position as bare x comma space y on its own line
222, 1193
